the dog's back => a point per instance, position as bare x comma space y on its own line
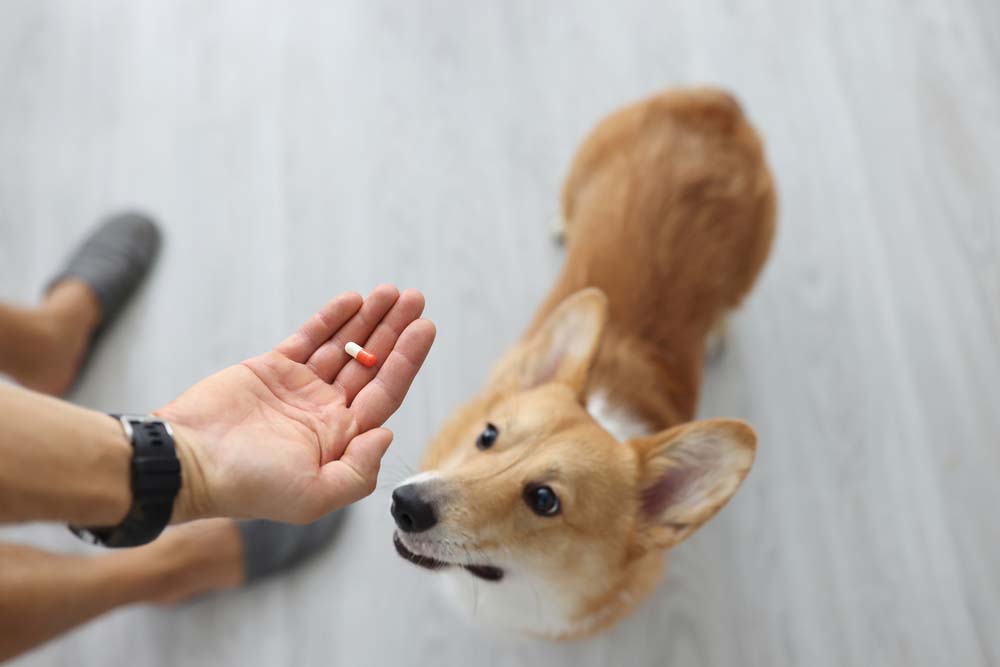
669, 209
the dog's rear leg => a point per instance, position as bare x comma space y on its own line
557, 229
715, 342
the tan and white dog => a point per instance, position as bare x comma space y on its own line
549, 499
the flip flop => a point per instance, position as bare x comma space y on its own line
270, 547
112, 261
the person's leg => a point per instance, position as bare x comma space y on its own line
41, 348
43, 595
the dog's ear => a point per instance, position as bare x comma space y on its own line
561, 349
687, 474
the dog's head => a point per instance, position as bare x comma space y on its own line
546, 520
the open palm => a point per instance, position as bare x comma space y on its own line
296, 432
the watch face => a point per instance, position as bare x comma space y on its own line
85, 534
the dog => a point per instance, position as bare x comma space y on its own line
549, 500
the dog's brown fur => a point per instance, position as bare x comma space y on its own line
669, 209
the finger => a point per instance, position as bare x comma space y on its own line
354, 475
353, 377
383, 395
327, 361
317, 330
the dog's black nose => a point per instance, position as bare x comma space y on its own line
412, 513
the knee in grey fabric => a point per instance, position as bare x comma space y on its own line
271, 547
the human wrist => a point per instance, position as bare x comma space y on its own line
194, 499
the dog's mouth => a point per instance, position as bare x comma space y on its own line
485, 572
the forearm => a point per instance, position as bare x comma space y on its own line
61, 462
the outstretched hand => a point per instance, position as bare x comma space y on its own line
297, 432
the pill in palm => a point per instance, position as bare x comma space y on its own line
364, 357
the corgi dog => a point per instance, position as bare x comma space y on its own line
547, 502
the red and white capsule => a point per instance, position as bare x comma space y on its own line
364, 357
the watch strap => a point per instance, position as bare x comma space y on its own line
156, 480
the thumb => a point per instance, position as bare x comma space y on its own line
353, 476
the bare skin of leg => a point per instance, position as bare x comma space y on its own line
43, 595
41, 348
715, 345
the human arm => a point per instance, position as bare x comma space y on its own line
291, 434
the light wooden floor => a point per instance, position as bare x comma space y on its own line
294, 150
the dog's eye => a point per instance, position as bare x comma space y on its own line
542, 500
487, 437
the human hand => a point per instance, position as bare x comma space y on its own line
295, 433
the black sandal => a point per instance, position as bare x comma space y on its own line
112, 261
270, 547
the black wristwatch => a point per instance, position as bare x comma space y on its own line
156, 479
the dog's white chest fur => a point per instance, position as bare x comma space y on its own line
519, 603
619, 422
